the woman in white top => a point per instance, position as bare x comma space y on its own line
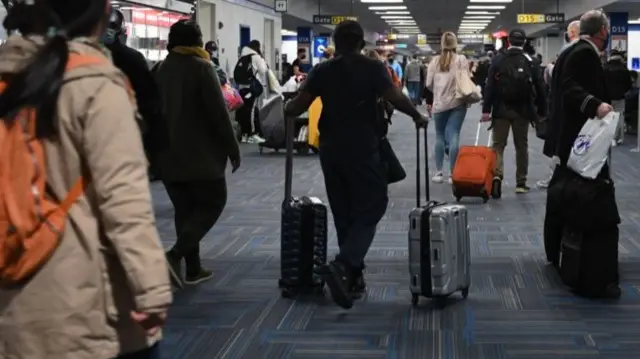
448, 112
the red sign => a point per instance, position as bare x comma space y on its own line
155, 17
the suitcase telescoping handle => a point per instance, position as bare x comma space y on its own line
478, 135
426, 166
288, 169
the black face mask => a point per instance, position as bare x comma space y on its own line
302, 57
390, 60
566, 37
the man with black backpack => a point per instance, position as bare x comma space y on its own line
513, 98
247, 74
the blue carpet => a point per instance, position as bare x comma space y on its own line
517, 307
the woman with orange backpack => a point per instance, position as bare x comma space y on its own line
82, 271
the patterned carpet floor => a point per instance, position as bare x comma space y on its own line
517, 307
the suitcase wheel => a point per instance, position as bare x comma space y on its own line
458, 198
287, 293
485, 199
260, 149
415, 299
465, 292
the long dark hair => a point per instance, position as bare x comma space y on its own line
38, 84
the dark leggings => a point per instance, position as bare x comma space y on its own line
244, 114
197, 206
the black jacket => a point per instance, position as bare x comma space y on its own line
618, 77
580, 84
493, 103
134, 65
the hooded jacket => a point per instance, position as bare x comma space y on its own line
259, 65
110, 260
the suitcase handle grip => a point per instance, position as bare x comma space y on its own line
478, 135
288, 169
426, 167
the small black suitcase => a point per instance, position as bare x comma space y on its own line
303, 235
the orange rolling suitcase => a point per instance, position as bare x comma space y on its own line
473, 173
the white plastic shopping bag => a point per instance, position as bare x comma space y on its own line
591, 148
405, 91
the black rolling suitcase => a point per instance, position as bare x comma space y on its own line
303, 234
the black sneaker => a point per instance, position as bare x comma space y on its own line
339, 281
199, 277
175, 271
522, 189
496, 190
359, 287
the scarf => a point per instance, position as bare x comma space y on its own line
192, 51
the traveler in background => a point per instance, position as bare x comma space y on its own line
572, 34
104, 292
618, 84
514, 98
631, 105
250, 74
397, 67
202, 143
212, 48
301, 66
135, 67
482, 71
448, 112
412, 79
580, 82
354, 169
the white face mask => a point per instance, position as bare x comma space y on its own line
214, 54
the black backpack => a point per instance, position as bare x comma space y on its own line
245, 74
515, 78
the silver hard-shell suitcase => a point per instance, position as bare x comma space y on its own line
439, 244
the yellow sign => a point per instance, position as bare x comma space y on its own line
335, 20
422, 39
531, 19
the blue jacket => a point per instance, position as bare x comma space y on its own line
492, 101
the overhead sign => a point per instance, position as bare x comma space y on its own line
434, 39
332, 19
422, 39
467, 39
540, 18
281, 6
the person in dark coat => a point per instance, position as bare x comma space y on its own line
202, 144
590, 209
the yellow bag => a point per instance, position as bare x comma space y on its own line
314, 116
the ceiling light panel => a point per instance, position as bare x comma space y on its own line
486, 7
491, 1
396, 17
474, 17
381, 1
392, 13
387, 8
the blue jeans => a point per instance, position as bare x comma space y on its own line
149, 353
414, 91
448, 126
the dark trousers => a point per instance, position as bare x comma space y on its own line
519, 126
197, 206
149, 353
245, 115
357, 193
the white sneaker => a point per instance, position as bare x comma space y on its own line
437, 178
543, 183
256, 139
450, 180
614, 143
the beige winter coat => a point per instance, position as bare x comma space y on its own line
110, 261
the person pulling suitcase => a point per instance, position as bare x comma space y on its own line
356, 171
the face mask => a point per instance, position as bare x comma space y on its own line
302, 57
566, 37
214, 53
108, 36
390, 61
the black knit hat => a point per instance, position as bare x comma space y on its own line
184, 33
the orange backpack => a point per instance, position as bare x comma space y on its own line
31, 223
